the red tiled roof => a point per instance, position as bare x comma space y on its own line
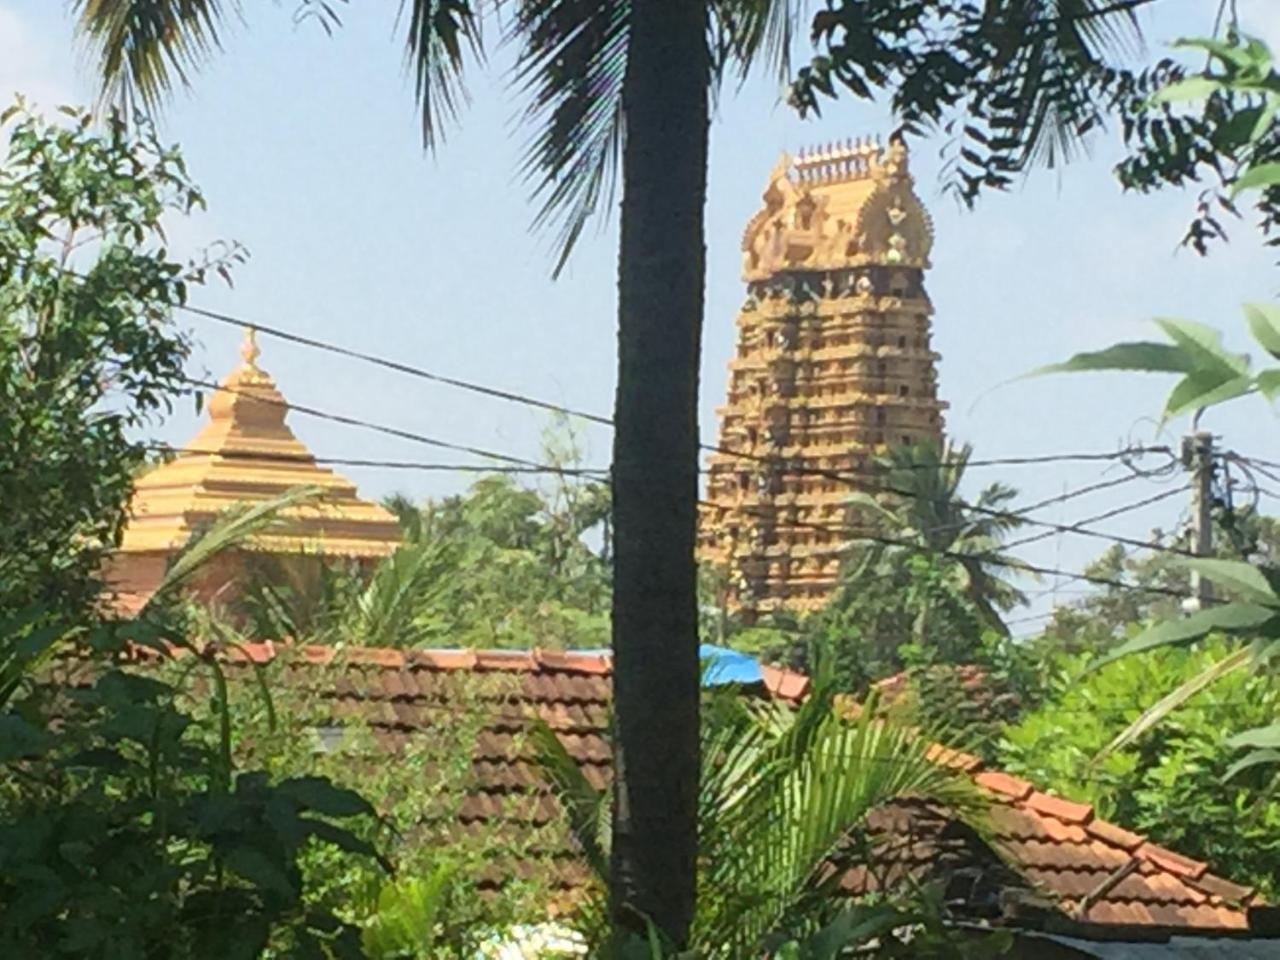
1094, 872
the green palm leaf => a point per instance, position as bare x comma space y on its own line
147, 48
235, 528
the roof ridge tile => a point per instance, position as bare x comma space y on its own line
1004, 783
1065, 810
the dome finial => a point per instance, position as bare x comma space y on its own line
249, 350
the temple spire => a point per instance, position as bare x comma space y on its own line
249, 350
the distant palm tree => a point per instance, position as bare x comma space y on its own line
922, 512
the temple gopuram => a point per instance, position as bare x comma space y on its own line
833, 366
244, 454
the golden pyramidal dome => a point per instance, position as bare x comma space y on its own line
244, 453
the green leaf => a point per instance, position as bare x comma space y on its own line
322, 796
1142, 356
1242, 579
1231, 618
1203, 345
1254, 758
1264, 324
343, 839
1268, 383
1258, 177
1266, 738
1196, 392
254, 866
1233, 54
20, 739
1190, 88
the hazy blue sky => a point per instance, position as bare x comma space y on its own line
309, 152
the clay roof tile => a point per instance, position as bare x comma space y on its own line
1117, 836
1173, 862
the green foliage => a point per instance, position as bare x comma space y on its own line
501, 566
1171, 782
781, 794
1012, 84
87, 350
1218, 124
126, 828
1209, 373
124, 837
932, 575
433, 905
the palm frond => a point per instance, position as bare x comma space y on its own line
801, 781
441, 35
147, 48
393, 609
233, 529
571, 66
586, 808
754, 28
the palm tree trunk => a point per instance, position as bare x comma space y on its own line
655, 459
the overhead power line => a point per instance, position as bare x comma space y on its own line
525, 400
547, 468
986, 557
377, 427
405, 368
1079, 527
590, 472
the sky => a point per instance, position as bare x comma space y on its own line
308, 149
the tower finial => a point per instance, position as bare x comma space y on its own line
249, 351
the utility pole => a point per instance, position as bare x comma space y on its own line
1197, 457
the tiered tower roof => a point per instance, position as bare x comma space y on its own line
246, 453
833, 365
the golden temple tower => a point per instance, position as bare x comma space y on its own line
833, 365
245, 453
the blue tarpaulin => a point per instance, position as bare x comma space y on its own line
721, 665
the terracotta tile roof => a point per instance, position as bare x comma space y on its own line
1091, 872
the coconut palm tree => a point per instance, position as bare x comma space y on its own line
922, 512
596, 70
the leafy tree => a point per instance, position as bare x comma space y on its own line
1147, 585
128, 827
87, 352
646, 68
501, 566
1172, 782
1218, 124
525, 574
125, 829
931, 575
